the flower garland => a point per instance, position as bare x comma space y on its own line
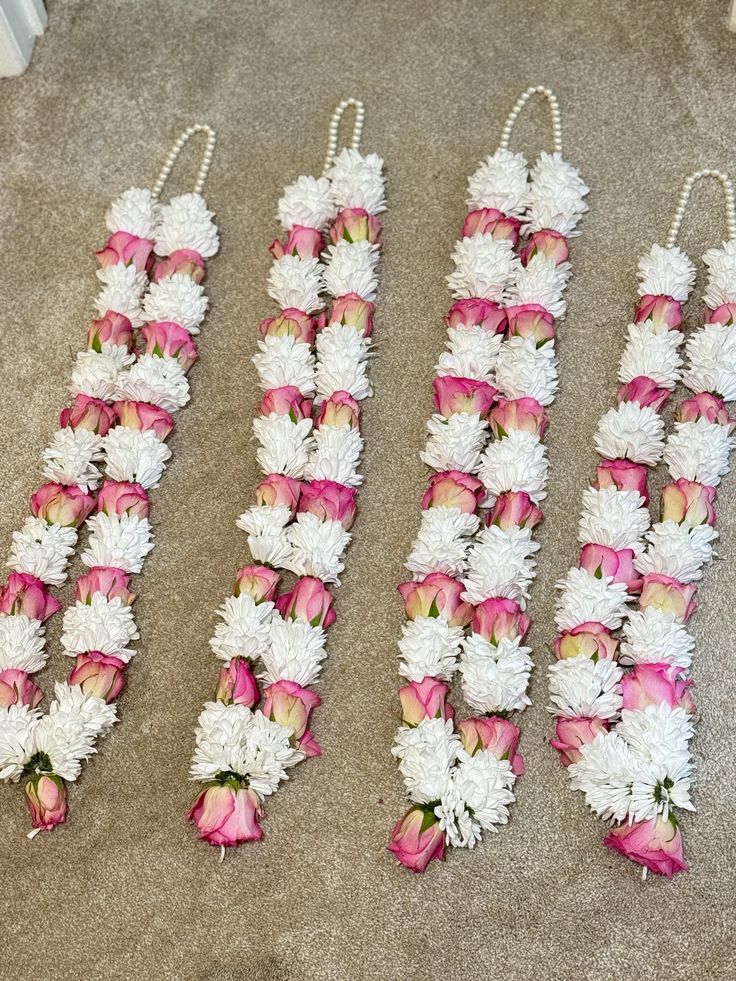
121, 416
624, 735
306, 503
460, 779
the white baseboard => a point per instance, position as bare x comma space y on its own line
21, 22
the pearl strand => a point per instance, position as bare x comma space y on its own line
335, 128
554, 109
687, 187
204, 170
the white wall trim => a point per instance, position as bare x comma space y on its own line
21, 22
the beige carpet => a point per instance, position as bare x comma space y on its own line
124, 890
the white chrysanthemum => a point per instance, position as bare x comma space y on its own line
17, 726
244, 630
651, 353
455, 442
42, 550
711, 352
677, 550
495, 678
342, 354
121, 541
295, 652
632, 431
316, 547
285, 445
160, 381
500, 182
308, 201
296, 282
555, 198
185, 223
103, 624
541, 281
426, 754
666, 271
429, 647
612, 517
120, 299
71, 457
135, 212
518, 462
265, 526
285, 361
135, 455
336, 455
22, 644
473, 353
579, 686
124, 279
67, 734
483, 784
586, 598
500, 563
357, 181
524, 370
484, 267
721, 265
95, 373
177, 298
350, 267
655, 732
699, 451
442, 542
655, 636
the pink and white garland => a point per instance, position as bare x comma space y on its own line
124, 400
460, 779
624, 735
312, 368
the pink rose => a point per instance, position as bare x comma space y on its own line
88, 413
496, 734
98, 674
466, 395
60, 505
16, 688
656, 844
330, 501
663, 311
290, 705
453, 489
531, 320
668, 595
290, 323
309, 745
436, 595
46, 799
309, 600
352, 310
277, 490
144, 416
340, 409
236, 684
286, 401
226, 814
524, 414
303, 241
724, 314
185, 262
113, 328
475, 312
656, 684
514, 508
128, 250
24, 593
704, 406
355, 225
417, 838
590, 639
498, 618
257, 581
119, 497
425, 699
624, 475
547, 242
574, 733
166, 339
107, 580
491, 221
687, 500
645, 391
601, 561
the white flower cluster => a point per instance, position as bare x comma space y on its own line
556, 194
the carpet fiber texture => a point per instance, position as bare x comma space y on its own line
124, 889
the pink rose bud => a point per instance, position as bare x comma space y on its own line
185, 262
237, 685
16, 688
466, 395
547, 242
590, 639
277, 490
46, 799
118, 497
340, 409
624, 475
425, 699
436, 595
656, 684
226, 814
514, 508
704, 406
305, 242
687, 500
290, 705
88, 413
656, 844
668, 595
60, 505
290, 323
491, 221
531, 320
107, 580
499, 618
166, 339
496, 734
98, 674
113, 328
663, 311
601, 561
128, 250
355, 225
524, 414
144, 416
309, 745
25, 593
309, 600
417, 838
574, 733
645, 391
330, 501
475, 312
257, 581
352, 310
724, 314
286, 401
453, 489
